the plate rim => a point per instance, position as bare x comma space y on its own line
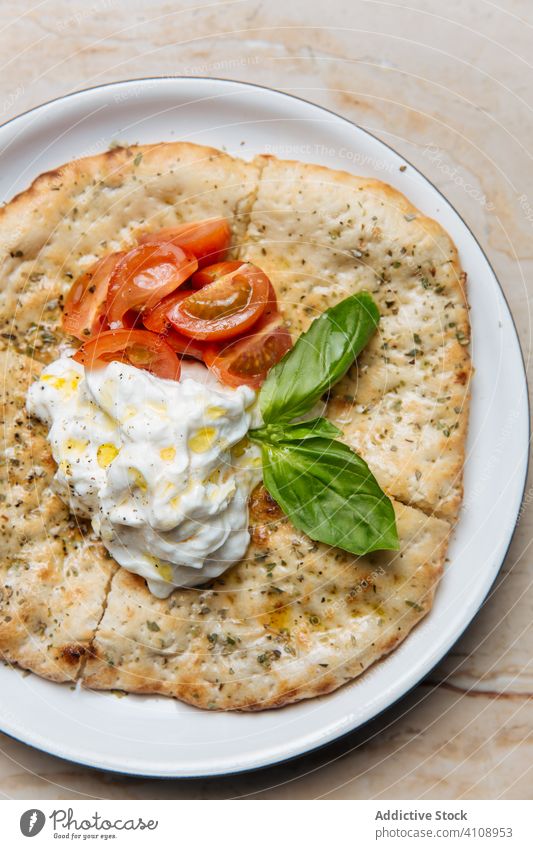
357, 727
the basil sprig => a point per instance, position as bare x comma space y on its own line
323, 486
320, 357
295, 431
329, 492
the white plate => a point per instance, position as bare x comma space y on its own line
160, 737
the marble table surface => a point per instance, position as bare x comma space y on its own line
451, 87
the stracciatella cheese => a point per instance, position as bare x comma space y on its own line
162, 468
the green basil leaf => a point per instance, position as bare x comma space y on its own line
329, 492
319, 358
297, 430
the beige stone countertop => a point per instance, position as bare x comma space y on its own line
450, 86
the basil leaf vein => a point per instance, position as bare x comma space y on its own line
319, 358
329, 492
296, 430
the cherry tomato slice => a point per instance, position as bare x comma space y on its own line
184, 346
204, 276
271, 308
83, 313
157, 318
139, 348
208, 240
225, 308
248, 360
130, 319
211, 273
145, 275
158, 321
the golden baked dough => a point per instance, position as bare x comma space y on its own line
294, 619
54, 576
321, 235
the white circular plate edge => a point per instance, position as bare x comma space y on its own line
159, 737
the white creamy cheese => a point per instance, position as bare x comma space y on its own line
160, 467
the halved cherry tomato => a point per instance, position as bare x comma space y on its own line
130, 319
84, 308
225, 308
158, 321
145, 275
208, 240
204, 276
271, 308
248, 360
157, 318
185, 347
139, 348
211, 273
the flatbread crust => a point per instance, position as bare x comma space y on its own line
321, 235
54, 576
294, 619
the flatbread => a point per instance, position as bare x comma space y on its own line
321, 235
72, 216
294, 619
54, 576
